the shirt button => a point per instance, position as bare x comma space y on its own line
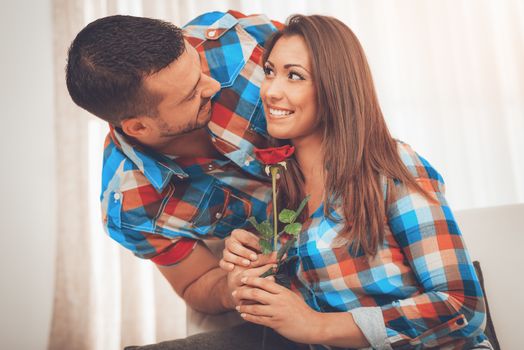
212, 33
247, 162
210, 166
218, 215
117, 196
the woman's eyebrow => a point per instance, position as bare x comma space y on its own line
289, 65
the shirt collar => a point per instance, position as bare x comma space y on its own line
157, 168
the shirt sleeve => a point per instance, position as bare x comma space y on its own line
136, 219
450, 304
175, 252
161, 250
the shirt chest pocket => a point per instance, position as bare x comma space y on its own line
220, 212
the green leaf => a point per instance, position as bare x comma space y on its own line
266, 246
265, 229
286, 216
283, 249
253, 221
293, 229
301, 207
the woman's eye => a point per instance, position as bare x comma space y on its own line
295, 76
268, 71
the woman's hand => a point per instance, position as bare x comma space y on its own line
242, 249
275, 306
235, 277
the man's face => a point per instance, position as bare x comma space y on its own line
185, 93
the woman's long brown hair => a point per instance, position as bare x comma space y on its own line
357, 146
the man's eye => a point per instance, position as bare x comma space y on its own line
268, 71
295, 76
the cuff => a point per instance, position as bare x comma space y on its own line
176, 253
371, 322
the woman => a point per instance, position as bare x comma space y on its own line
381, 261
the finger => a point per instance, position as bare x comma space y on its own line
245, 238
262, 283
224, 265
257, 271
256, 310
264, 259
246, 302
236, 248
261, 320
254, 294
232, 258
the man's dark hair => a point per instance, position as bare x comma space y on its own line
109, 58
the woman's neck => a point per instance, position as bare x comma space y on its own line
310, 158
308, 153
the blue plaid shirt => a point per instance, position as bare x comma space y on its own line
420, 290
150, 202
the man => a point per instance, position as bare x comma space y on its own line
184, 114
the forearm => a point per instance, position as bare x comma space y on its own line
339, 329
209, 293
200, 282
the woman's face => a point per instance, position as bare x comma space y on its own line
288, 91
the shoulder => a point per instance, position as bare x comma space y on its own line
211, 25
124, 184
418, 166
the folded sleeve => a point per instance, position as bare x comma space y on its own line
161, 250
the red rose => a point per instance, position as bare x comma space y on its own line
284, 237
274, 155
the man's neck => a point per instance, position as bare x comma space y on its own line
195, 144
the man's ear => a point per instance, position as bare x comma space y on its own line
137, 127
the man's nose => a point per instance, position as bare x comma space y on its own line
210, 86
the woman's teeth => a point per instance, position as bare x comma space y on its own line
279, 112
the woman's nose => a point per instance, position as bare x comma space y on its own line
273, 89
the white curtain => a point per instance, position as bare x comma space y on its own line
449, 75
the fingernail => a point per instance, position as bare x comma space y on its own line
237, 307
243, 315
246, 262
243, 280
234, 292
253, 257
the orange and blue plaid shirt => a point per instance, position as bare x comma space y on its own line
159, 207
419, 291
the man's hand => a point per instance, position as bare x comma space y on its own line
242, 249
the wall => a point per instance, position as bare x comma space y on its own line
27, 181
